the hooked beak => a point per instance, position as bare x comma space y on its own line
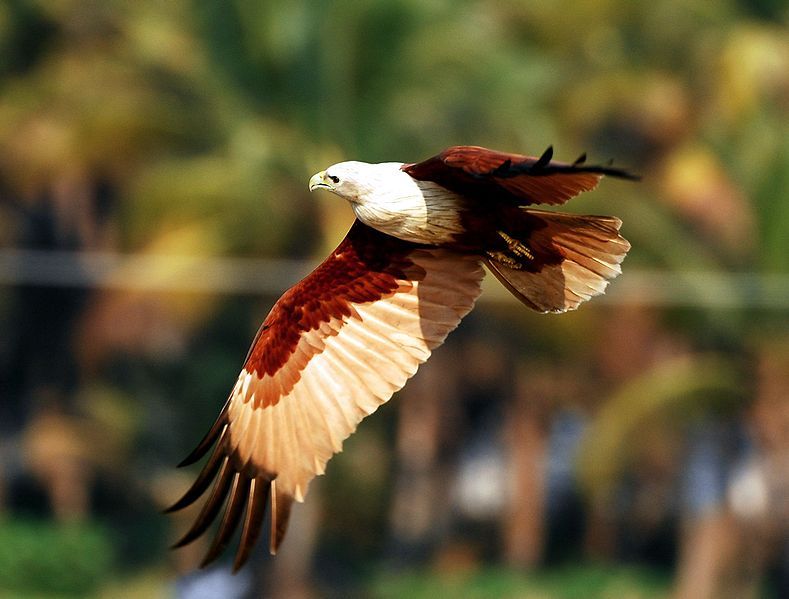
320, 180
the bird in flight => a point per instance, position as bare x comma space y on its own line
342, 341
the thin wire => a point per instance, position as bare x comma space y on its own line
147, 272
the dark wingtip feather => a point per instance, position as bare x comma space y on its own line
545, 159
280, 514
211, 507
501, 170
201, 483
580, 167
208, 440
619, 173
253, 523
235, 507
543, 166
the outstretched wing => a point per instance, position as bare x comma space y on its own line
523, 180
332, 349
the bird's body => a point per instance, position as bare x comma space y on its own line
347, 337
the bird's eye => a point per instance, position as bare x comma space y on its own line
334, 179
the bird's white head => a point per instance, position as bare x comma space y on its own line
357, 182
388, 199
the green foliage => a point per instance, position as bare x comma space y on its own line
580, 582
46, 558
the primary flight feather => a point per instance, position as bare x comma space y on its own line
340, 342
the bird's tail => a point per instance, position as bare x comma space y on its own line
553, 261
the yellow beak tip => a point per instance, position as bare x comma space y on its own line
318, 180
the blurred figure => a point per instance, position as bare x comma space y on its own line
736, 533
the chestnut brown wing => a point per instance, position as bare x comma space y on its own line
486, 174
333, 348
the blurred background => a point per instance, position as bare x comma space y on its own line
154, 159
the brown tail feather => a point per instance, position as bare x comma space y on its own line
568, 259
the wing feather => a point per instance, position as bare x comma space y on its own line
488, 175
253, 521
201, 483
239, 490
211, 507
333, 348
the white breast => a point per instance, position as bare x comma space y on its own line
396, 204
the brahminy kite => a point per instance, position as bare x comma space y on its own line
340, 342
